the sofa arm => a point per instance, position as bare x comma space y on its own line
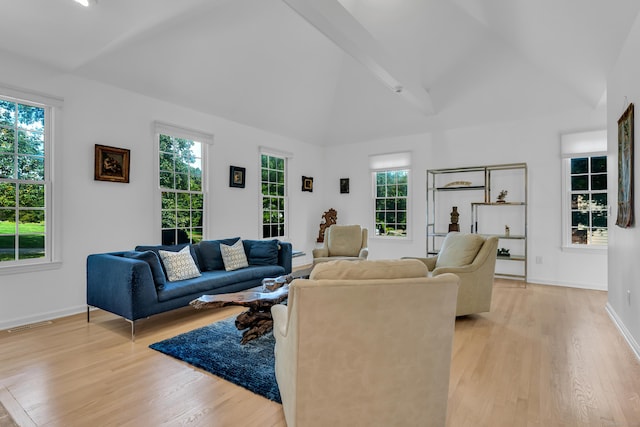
123, 286
364, 253
285, 253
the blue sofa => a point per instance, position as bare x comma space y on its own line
134, 285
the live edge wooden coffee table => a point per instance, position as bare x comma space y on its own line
257, 320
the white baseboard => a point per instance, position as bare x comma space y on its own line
42, 317
623, 330
590, 286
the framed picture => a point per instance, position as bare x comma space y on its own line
344, 185
111, 164
625, 169
307, 183
236, 176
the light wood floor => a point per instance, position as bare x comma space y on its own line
544, 356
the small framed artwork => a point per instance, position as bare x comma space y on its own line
236, 176
307, 183
111, 164
344, 185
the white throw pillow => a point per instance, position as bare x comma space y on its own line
234, 257
179, 265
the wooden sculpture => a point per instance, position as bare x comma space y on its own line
330, 217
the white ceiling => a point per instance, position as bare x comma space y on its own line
259, 63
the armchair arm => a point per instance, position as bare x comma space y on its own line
320, 253
364, 253
429, 262
280, 317
456, 270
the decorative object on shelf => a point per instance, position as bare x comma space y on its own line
507, 231
344, 185
454, 226
111, 164
502, 196
625, 169
307, 183
330, 217
503, 252
458, 184
236, 176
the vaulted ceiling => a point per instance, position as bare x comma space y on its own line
259, 62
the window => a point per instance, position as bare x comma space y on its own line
391, 203
585, 202
181, 175
390, 174
25, 184
588, 178
273, 181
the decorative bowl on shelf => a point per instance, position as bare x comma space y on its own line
458, 184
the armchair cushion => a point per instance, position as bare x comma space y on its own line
459, 249
345, 240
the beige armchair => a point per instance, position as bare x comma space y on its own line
342, 242
472, 257
366, 343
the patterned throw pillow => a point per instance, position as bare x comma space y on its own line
179, 265
233, 256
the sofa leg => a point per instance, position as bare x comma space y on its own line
133, 329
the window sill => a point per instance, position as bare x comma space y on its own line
586, 249
394, 238
30, 268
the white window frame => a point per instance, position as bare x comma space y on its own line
266, 151
206, 140
400, 161
52, 132
573, 146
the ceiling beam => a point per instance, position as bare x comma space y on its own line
336, 23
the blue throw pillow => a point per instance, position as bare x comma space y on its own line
171, 248
152, 259
261, 252
211, 255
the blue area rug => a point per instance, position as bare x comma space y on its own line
216, 348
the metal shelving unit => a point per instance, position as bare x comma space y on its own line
472, 187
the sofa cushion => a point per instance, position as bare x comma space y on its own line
233, 256
171, 248
211, 255
345, 240
369, 269
459, 249
152, 259
179, 265
210, 281
261, 252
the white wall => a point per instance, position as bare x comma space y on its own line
536, 142
103, 216
624, 244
